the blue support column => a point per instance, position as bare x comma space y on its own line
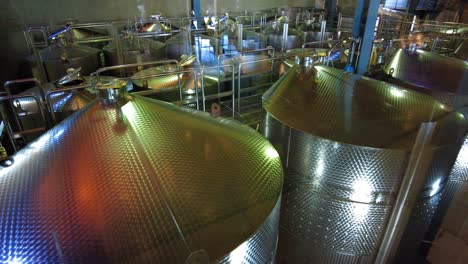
358, 12
196, 7
367, 36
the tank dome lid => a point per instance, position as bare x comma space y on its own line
428, 70
331, 104
146, 182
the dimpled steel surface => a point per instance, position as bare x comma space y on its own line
460, 169
68, 101
428, 70
445, 79
351, 109
152, 188
345, 142
168, 81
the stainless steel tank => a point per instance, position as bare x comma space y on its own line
445, 79
178, 45
168, 84
345, 142
57, 58
321, 54
29, 113
312, 31
205, 47
251, 63
277, 39
59, 96
156, 25
442, 77
134, 50
132, 179
293, 40
251, 40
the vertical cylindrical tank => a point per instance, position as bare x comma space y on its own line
345, 142
445, 79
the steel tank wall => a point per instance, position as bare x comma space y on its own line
325, 215
338, 197
444, 79
321, 219
261, 247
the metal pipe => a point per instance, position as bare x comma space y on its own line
240, 37
323, 29
339, 25
284, 39
195, 79
411, 185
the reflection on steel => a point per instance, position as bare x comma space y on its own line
63, 102
446, 79
429, 72
345, 141
98, 190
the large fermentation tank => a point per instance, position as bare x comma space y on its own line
345, 142
205, 47
43, 105
178, 45
312, 31
251, 40
57, 58
135, 180
168, 84
445, 79
277, 38
134, 50
442, 77
62, 102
